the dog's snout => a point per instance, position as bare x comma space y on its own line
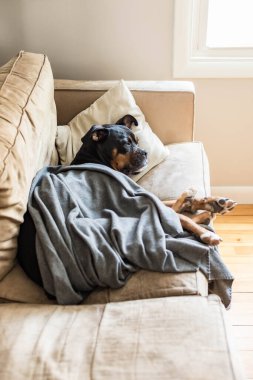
141, 152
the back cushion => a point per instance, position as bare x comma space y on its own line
27, 135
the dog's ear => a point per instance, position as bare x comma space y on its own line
128, 121
98, 133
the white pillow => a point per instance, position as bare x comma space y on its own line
110, 107
187, 166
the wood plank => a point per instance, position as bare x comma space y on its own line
237, 234
242, 270
242, 286
243, 337
231, 250
244, 297
247, 360
237, 237
243, 274
241, 312
240, 219
241, 209
234, 226
236, 229
237, 259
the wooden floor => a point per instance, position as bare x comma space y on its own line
236, 229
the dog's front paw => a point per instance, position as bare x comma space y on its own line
215, 205
189, 193
224, 205
220, 205
210, 238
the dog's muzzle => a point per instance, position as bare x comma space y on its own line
138, 161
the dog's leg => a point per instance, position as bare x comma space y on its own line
213, 204
206, 236
181, 202
169, 203
204, 217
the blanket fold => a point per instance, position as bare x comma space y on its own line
95, 227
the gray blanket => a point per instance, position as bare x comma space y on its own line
95, 227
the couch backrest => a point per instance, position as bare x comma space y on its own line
27, 139
167, 105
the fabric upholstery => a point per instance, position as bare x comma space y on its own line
143, 284
168, 106
27, 135
163, 338
110, 107
186, 167
17, 287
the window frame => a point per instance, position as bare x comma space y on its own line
192, 58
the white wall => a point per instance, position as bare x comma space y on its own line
132, 39
92, 39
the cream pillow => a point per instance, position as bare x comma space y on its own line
187, 166
27, 135
110, 107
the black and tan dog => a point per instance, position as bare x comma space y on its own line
116, 146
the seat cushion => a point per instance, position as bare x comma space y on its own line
163, 338
27, 135
16, 286
148, 284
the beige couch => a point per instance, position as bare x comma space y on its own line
159, 325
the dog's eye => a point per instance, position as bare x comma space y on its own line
129, 142
135, 140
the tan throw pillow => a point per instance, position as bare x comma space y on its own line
27, 134
110, 107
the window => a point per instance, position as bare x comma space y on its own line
237, 31
213, 38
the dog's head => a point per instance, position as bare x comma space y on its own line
114, 145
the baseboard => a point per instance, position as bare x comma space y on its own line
241, 194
